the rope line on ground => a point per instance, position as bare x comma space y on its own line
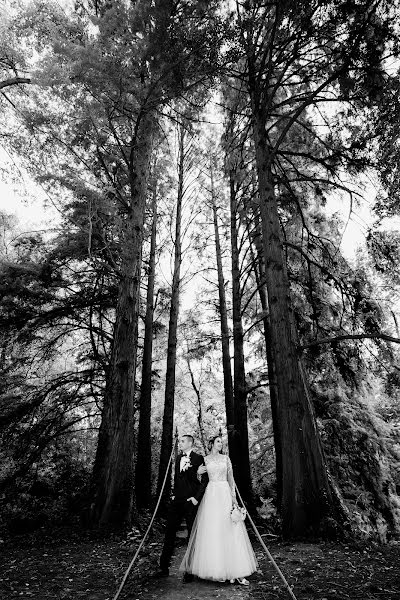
148, 528
281, 575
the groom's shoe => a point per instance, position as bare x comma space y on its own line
187, 578
161, 573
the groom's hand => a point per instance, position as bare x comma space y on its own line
193, 501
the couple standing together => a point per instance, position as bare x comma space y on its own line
218, 549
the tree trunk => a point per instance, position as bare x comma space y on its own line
240, 438
199, 403
307, 496
226, 358
168, 418
113, 473
143, 461
259, 271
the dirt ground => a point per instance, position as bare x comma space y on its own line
73, 566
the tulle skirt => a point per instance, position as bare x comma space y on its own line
218, 549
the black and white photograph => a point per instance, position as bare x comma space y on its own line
200, 299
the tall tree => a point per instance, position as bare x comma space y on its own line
240, 457
223, 311
169, 401
275, 39
143, 460
113, 471
260, 278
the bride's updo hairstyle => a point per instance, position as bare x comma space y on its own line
211, 442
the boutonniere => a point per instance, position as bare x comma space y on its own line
185, 462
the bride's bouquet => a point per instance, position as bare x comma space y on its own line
238, 513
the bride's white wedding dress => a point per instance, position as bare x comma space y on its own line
218, 549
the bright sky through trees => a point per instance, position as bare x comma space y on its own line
28, 203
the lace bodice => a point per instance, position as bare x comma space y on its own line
219, 468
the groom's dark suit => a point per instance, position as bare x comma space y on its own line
186, 485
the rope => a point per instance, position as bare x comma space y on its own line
147, 531
281, 575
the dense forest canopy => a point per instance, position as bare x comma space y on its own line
205, 158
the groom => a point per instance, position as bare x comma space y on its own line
187, 493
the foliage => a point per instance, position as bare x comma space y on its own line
362, 454
54, 490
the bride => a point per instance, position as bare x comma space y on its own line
219, 549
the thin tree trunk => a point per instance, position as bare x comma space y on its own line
307, 495
272, 380
169, 402
226, 358
143, 461
113, 473
240, 456
396, 324
200, 405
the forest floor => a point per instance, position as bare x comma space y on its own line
74, 566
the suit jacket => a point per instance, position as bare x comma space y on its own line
186, 483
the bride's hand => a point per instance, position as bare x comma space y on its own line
201, 470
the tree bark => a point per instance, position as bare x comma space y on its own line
113, 473
240, 437
196, 389
143, 461
226, 357
260, 276
307, 496
169, 401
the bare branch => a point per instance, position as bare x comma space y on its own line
14, 81
360, 336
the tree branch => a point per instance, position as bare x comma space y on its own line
14, 81
360, 336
